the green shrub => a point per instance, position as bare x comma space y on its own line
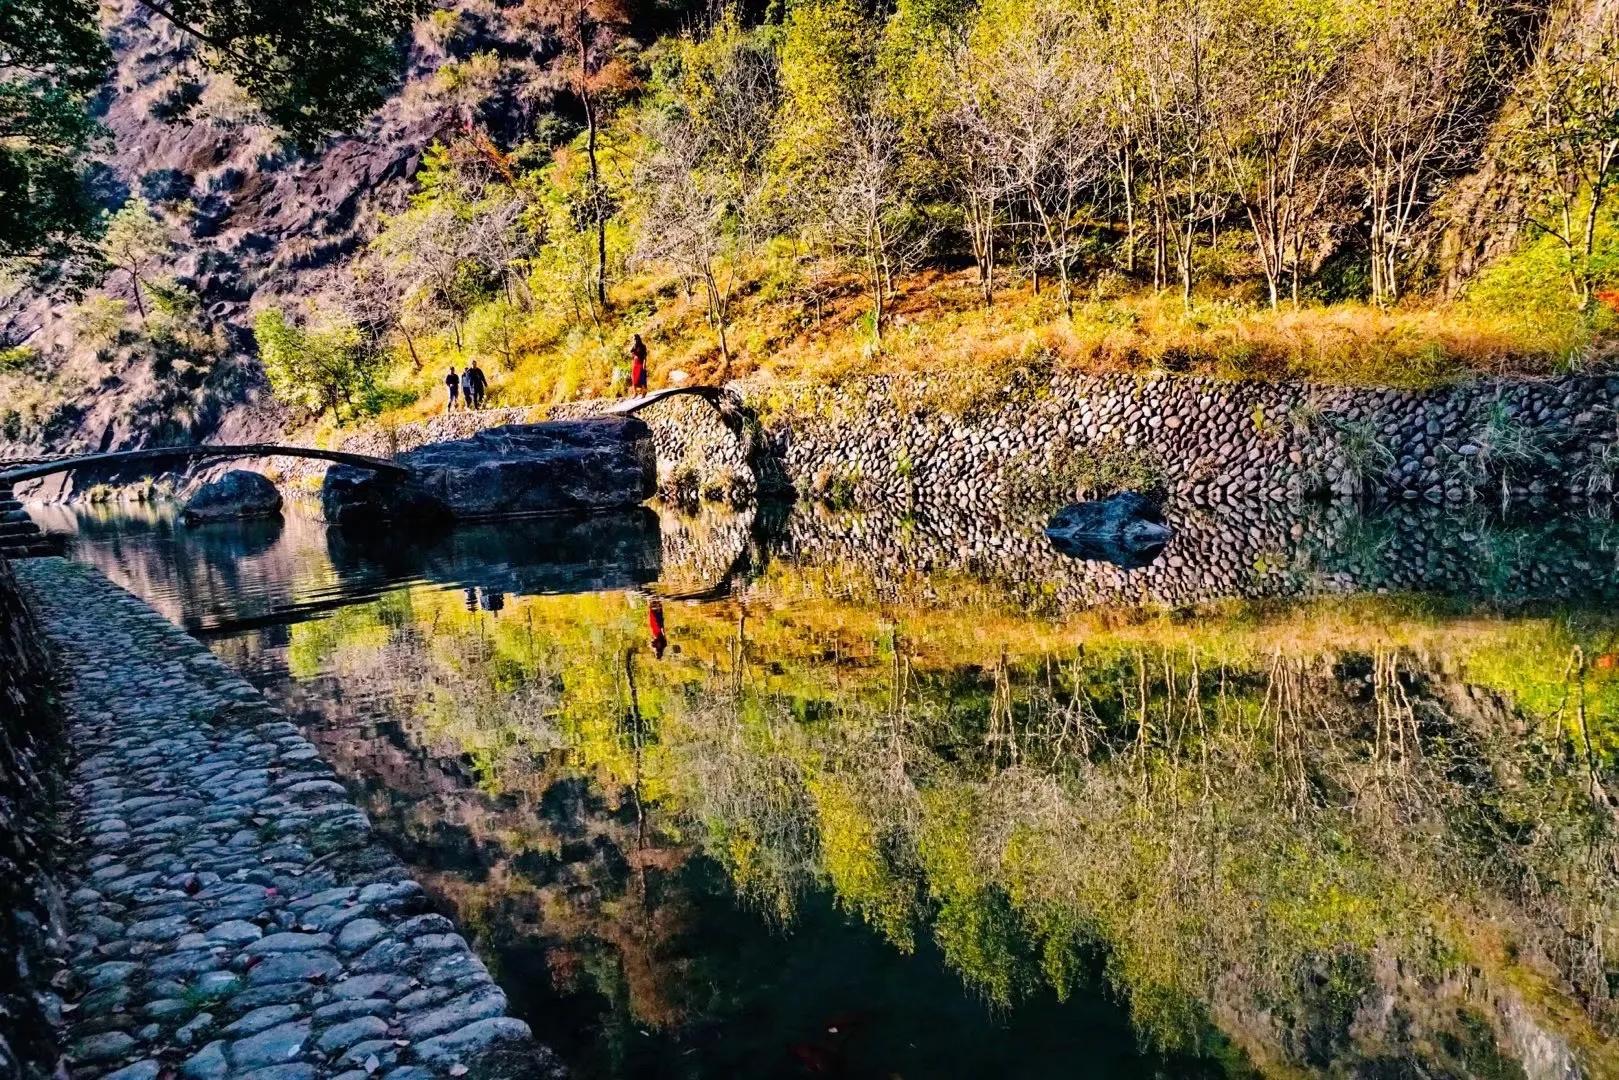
323, 368
18, 360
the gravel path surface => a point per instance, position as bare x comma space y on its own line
232, 914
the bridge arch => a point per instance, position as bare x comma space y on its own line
37, 470
723, 403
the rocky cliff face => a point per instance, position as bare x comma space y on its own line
253, 221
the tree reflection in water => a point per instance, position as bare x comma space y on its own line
1322, 833
1366, 836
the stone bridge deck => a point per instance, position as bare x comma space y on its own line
231, 913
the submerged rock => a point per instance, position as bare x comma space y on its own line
516, 470
238, 494
1126, 529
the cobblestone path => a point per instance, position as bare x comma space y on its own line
231, 913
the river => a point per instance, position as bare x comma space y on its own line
801, 793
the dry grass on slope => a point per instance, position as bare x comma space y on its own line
796, 328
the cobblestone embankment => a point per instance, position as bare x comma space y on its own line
31, 917
232, 914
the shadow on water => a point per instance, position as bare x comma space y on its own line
800, 793
533, 556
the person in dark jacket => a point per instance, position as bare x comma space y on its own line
474, 385
452, 383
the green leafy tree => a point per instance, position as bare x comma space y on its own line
839, 161
701, 183
136, 243
326, 367
1409, 107
313, 66
1281, 62
1037, 111
52, 58
470, 230
1168, 51
594, 67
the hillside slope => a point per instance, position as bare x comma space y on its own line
250, 219
254, 224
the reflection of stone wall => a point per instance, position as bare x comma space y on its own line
29, 901
704, 553
1244, 549
897, 443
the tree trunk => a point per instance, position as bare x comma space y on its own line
595, 184
140, 304
410, 344
717, 315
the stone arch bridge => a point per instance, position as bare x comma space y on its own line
19, 536
17, 472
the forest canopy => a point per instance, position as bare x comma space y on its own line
1265, 154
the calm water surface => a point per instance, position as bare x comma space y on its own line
804, 794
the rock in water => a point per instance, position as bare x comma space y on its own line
1126, 529
238, 494
506, 471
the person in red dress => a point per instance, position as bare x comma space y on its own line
654, 621
638, 366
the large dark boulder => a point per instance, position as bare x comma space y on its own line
511, 471
236, 495
1126, 529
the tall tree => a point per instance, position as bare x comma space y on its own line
52, 58
593, 68
1168, 54
1043, 107
1277, 141
702, 181
1409, 106
941, 88
837, 159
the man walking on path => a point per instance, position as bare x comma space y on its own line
452, 383
475, 385
638, 366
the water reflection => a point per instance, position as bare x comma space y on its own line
531, 556
842, 812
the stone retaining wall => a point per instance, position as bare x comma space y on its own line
897, 443
31, 933
232, 914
